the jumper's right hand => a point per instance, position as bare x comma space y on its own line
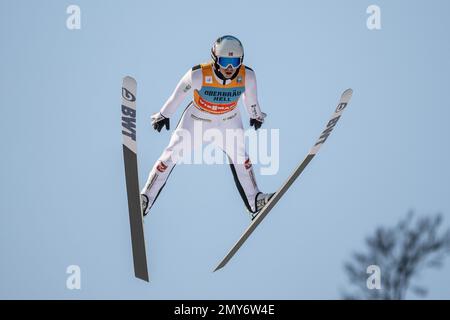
159, 121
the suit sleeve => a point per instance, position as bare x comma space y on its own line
190, 80
250, 95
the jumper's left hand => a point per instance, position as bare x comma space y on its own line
257, 122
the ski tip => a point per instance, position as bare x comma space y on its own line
346, 95
129, 79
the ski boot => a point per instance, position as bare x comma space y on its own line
261, 200
144, 205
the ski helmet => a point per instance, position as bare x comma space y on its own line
227, 50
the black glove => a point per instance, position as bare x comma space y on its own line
256, 123
159, 121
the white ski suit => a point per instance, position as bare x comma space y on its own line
214, 105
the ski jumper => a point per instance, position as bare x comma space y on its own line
214, 104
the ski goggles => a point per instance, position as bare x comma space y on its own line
224, 62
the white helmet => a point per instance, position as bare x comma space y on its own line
227, 50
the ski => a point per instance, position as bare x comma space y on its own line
345, 99
132, 179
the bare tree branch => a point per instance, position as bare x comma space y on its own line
402, 252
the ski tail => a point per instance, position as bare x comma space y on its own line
344, 100
132, 178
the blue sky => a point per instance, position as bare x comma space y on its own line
63, 194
